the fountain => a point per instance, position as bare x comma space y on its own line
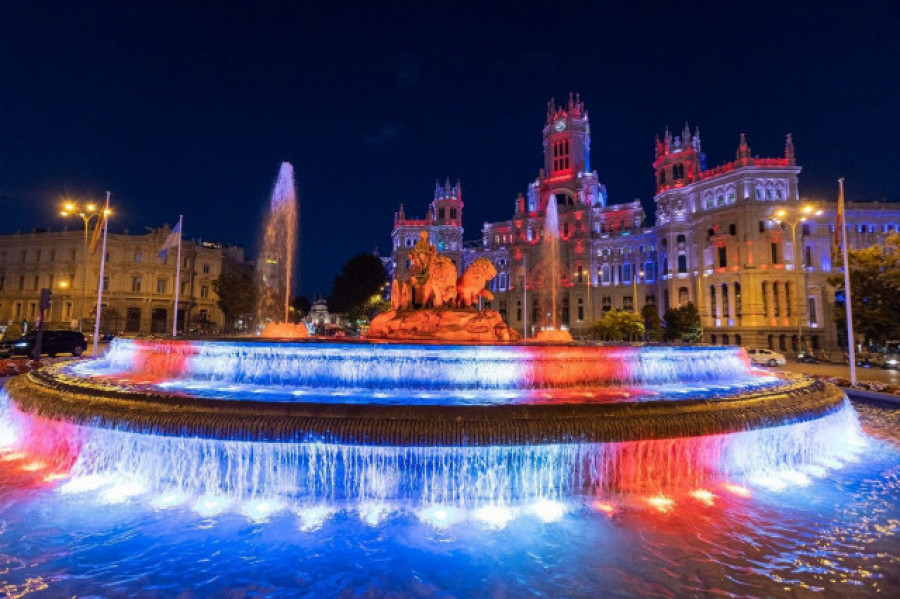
550, 330
276, 260
157, 466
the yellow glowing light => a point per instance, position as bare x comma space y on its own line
780, 213
703, 496
69, 207
606, 508
739, 490
661, 503
91, 207
63, 284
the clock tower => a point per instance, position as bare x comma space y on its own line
567, 140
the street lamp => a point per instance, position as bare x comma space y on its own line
793, 217
634, 281
87, 211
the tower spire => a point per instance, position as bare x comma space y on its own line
743, 151
789, 150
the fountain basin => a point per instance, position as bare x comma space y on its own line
546, 394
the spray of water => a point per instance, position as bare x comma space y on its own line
550, 258
279, 246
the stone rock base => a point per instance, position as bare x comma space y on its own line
442, 324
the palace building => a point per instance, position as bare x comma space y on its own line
730, 239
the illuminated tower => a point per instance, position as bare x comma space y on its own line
679, 160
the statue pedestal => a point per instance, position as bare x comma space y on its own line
442, 324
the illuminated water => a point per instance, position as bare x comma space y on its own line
277, 250
803, 507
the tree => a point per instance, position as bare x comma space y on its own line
237, 296
653, 324
683, 324
617, 325
356, 292
874, 291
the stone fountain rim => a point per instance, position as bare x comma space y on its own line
46, 393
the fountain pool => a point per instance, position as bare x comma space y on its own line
315, 469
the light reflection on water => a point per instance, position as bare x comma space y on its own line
837, 532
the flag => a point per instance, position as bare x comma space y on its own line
171, 241
838, 225
95, 237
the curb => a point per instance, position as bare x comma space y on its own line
861, 395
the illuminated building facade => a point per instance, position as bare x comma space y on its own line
716, 242
139, 288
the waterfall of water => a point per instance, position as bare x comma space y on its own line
276, 256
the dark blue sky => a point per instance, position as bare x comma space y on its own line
189, 107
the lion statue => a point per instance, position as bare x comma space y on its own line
470, 286
440, 288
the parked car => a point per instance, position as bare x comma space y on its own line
766, 357
52, 343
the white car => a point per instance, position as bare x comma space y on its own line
766, 357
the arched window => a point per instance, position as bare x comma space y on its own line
604, 273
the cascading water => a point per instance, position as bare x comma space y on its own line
550, 261
279, 245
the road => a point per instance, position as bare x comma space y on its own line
842, 370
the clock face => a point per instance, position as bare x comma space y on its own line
560, 125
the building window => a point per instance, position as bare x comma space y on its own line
712, 301
628, 302
777, 308
441, 213
580, 309
811, 310
21, 283
650, 299
723, 256
807, 257
775, 253
683, 296
138, 256
604, 274
136, 284
787, 299
160, 285
765, 298
738, 308
204, 291
606, 303
682, 263
105, 282
36, 282
726, 309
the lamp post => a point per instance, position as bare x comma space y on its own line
793, 218
87, 212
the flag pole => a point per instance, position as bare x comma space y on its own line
177, 277
105, 217
851, 342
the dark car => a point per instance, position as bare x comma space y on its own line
52, 343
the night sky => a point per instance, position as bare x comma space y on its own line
189, 107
